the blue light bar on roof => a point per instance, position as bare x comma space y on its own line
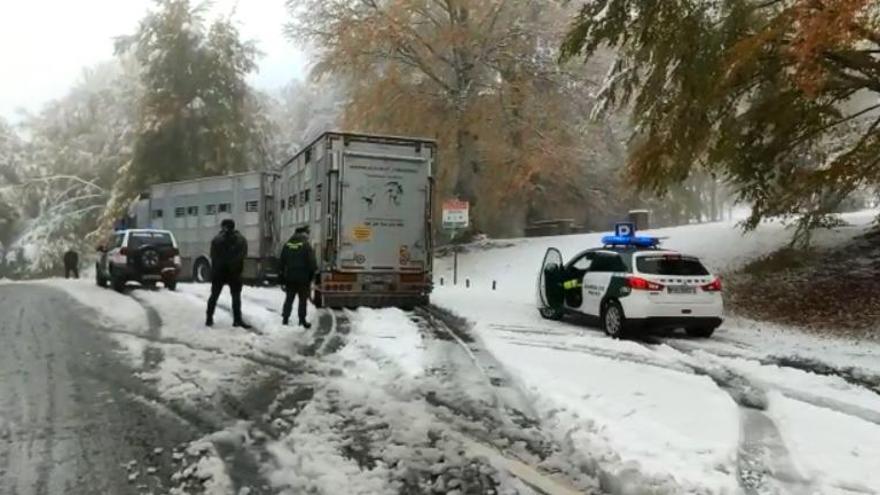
636, 241
625, 235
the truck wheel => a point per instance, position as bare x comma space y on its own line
613, 320
703, 332
171, 284
202, 271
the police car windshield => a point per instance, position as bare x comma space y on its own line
139, 239
670, 265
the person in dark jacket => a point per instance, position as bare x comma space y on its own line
71, 264
228, 252
297, 267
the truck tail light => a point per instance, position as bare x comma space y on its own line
714, 286
343, 277
638, 283
412, 278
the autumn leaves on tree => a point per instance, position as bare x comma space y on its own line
778, 97
479, 76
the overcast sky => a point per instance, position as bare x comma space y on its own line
45, 44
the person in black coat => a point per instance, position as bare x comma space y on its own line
296, 269
71, 264
228, 252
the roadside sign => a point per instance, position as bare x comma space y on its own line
456, 214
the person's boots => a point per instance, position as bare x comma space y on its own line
241, 324
305, 324
209, 321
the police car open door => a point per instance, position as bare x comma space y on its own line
551, 296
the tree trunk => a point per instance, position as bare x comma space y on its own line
713, 192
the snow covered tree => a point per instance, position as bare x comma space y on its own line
479, 76
777, 97
10, 157
196, 114
304, 109
60, 182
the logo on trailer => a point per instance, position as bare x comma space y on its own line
363, 233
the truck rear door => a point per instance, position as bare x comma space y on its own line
383, 220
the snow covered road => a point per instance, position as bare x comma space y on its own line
755, 410
479, 395
72, 419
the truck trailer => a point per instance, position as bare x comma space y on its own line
367, 201
193, 210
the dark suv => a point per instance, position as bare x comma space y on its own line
141, 255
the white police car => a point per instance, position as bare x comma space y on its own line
631, 284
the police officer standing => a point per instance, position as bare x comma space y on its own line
228, 252
71, 264
297, 267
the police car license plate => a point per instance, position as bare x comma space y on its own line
681, 289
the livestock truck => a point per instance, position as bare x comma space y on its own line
193, 210
367, 200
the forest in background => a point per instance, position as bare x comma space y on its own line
542, 109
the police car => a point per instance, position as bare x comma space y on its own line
631, 284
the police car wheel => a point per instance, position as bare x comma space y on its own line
550, 313
613, 320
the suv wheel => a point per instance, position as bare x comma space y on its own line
117, 282
149, 258
99, 279
613, 320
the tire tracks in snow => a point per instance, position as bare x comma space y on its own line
241, 455
800, 364
763, 458
764, 464
507, 420
853, 375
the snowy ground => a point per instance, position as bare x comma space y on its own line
386, 401
756, 408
